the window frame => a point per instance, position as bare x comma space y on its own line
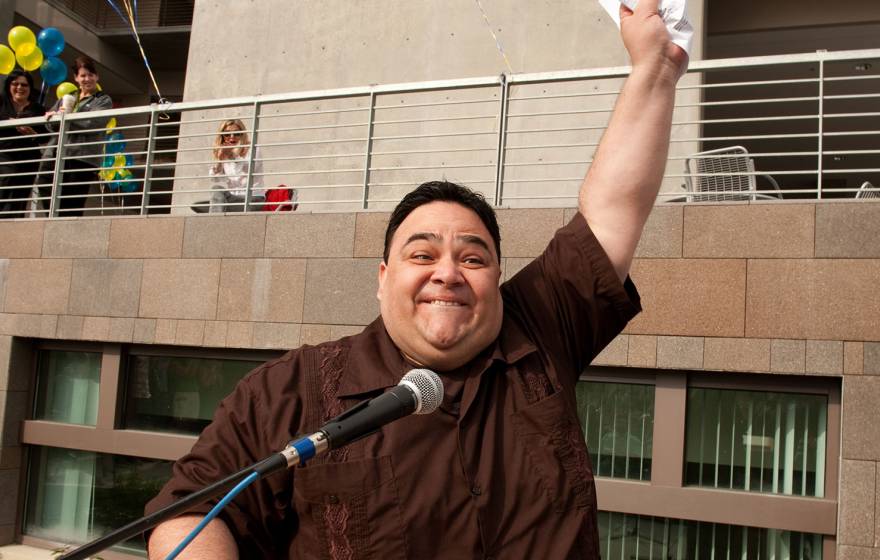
666, 495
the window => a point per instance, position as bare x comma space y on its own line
67, 387
756, 441
724, 465
618, 421
77, 496
178, 394
635, 536
108, 421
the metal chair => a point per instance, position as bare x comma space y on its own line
867, 190
725, 174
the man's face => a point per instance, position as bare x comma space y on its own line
438, 292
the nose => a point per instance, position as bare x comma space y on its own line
446, 272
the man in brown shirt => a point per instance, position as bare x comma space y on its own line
501, 470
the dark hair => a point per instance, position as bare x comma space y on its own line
84, 62
443, 191
32, 95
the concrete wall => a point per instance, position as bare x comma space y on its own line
774, 289
274, 46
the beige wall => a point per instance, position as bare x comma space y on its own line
273, 46
774, 289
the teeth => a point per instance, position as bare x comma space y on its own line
445, 303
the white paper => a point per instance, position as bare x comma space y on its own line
673, 12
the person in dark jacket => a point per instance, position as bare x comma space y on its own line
82, 148
19, 145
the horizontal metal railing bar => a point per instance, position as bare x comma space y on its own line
434, 151
557, 113
754, 101
853, 133
433, 135
849, 152
315, 127
560, 129
747, 119
412, 167
850, 115
579, 94
436, 119
717, 85
435, 103
851, 78
408, 183
319, 112
747, 137
852, 96
318, 156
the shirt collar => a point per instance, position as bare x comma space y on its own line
375, 363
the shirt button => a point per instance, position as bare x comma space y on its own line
332, 499
476, 490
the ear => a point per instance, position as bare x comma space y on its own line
383, 268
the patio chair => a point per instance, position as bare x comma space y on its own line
725, 174
867, 190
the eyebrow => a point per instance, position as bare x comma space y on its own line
433, 238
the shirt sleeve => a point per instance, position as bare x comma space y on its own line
570, 300
244, 430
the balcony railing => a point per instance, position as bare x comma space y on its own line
101, 16
762, 128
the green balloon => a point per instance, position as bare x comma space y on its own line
64, 88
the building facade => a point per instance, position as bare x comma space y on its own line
734, 416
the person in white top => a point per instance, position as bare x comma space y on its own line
230, 170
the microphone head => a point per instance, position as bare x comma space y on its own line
427, 388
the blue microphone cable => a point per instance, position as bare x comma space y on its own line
213, 513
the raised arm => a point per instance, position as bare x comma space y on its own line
620, 187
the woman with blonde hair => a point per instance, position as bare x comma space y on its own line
230, 170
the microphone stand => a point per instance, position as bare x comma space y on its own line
267, 466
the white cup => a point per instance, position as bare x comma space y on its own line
67, 102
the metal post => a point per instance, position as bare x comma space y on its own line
369, 152
57, 173
502, 141
821, 146
251, 155
148, 162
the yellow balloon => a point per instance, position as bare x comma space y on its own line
31, 61
111, 124
19, 36
64, 88
119, 161
25, 49
7, 59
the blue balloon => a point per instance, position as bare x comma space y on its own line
107, 162
129, 161
115, 144
51, 42
53, 71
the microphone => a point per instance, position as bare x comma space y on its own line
419, 392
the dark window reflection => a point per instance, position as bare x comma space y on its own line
176, 394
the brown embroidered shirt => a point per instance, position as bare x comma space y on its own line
499, 471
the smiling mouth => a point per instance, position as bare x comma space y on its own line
445, 303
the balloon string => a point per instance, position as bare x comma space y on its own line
497, 42
131, 21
